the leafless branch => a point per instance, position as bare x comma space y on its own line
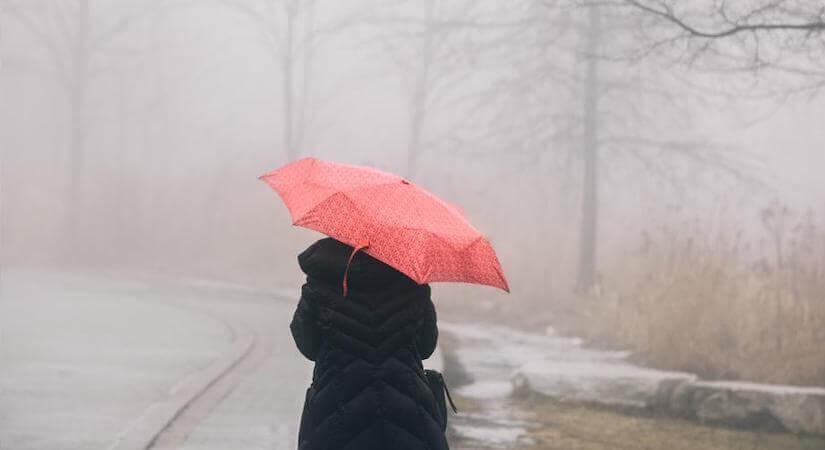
667, 13
45, 39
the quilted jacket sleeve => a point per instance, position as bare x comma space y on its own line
426, 336
305, 328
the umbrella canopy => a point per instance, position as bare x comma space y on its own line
389, 218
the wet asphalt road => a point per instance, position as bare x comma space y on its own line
84, 356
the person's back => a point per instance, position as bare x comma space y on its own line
369, 390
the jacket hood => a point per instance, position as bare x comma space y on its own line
326, 260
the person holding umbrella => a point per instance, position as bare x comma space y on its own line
365, 316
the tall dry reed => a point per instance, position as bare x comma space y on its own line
718, 304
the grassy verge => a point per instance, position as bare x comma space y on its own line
582, 428
559, 426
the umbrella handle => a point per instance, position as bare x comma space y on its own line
362, 245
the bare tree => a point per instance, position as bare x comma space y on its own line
436, 44
563, 98
3, 178
751, 37
291, 34
754, 38
421, 92
590, 155
624, 102
74, 46
527, 88
781, 37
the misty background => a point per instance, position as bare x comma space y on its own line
606, 152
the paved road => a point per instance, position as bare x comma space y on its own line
84, 358
258, 405
92, 361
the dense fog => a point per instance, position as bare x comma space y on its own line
649, 173
603, 148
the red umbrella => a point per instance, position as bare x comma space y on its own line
388, 218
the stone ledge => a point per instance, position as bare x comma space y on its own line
795, 409
610, 384
799, 410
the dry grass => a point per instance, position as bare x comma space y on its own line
579, 428
559, 426
713, 304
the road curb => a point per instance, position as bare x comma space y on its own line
142, 433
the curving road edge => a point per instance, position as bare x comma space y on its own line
141, 433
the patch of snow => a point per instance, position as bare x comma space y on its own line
492, 353
596, 369
757, 387
486, 390
492, 435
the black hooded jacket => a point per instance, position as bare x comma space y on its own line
368, 387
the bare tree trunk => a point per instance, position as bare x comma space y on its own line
77, 121
308, 58
156, 134
125, 205
77, 139
287, 69
590, 181
4, 208
419, 95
